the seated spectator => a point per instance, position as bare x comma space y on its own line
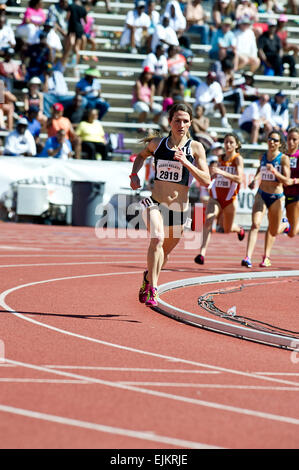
176, 18
34, 97
20, 142
157, 62
75, 110
154, 17
199, 127
271, 53
34, 18
256, 118
92, 136
246, 47
8, 108
229, 87
38, 56
173, 88
57, 121
197, 20
57, 12
223, 43
210, 96
136, 28
246, 85
34, 126
90, 88
52, 38
75, 31
164, 34
247, 9
178, 65
283, 36
11, 72
7, 35
280, 112
222, 9
143, 97
57, 146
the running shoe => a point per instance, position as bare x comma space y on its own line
241, 234
266, 263
151, 300
246, 262
199, 259
143, 292
288, 227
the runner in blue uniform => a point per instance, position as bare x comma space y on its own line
177, 159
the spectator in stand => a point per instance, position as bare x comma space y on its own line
38, 56
223, 43
209, 95
256, 118
34, 97
20, 142
245, 8
176, 18
57, 121
200, 126
143, 98
57, 146
222, 9
34, 18
52, 38
154, 17
246, 47
157, 62
178, 65
11, 72
229, 88
89, 37
92, 136
295, 115
90, 88
250, 92
76, 12
7, 35
197, 20
75, 110
164, 34
283, 36
57, 13
136, 28
280, 112
173, 88
8, 108
271, 53
34, 126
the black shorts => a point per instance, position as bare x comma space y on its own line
290, 199
170, 218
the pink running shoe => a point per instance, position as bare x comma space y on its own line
151, 300
266, 263
143, 292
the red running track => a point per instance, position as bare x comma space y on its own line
87, 366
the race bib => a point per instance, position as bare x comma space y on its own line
267, 175
168, 170
222, 182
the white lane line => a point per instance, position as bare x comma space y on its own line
200, 385
136, 369
143, 435
46, 381
167, 396
4, 305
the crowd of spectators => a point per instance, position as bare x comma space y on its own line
35, 53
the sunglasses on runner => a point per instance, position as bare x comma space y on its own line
274, 140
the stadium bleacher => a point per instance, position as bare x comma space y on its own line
119, 70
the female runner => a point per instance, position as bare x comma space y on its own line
177, 160
227, 176
292, 190
273, 172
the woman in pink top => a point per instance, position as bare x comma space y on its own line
34, 18
143, 97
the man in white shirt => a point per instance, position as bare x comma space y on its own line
257, 117
246, 47
20, 142
209, 95
157, 62
164, 34
136, 27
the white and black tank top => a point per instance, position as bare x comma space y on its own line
170, 170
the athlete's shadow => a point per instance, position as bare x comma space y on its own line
106, 316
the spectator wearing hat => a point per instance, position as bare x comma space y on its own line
7, 35
90, 88
271, 53
57, 146
210, 96
256, 118
143, 97
282, 33
137, 24
35, 97
177, 20
280, 112
223, 43
20, 141
246, 47
57, 121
